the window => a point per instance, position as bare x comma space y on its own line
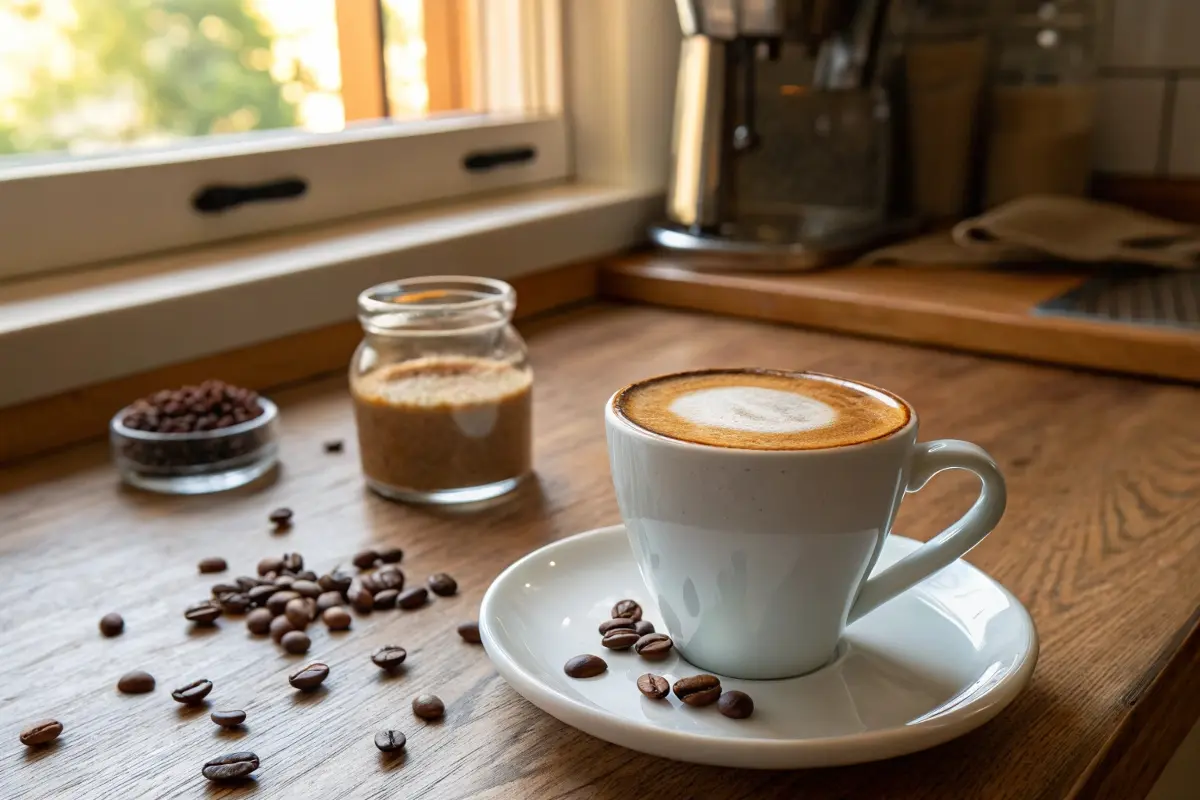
144, 125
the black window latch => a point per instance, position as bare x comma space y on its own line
222, 197
490, 159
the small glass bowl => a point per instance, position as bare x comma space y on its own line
196, 463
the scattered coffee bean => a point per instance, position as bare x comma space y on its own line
698, 690
334, 446
112, 624
277, 602
203, 613
259, 594
307, 588
284, 581
365, 559
371, 584
362, 599
193, 693
653, 646
297, 613
328, 600
228, 719
336, 618
653, 686
390, 741
643, 627
136, 682
442, 584
234, 603
620, 623
386, 599
306, 575
212, 564
309, 676
280, 627
469, 631
230, 767
620, 639
428, 706
389, 577
336, 581
585, 666
281, 517
389, 656
391, 555
293, 562
413, 598
735, 704
245, 583
296, 642
259, 621
219, 589
43, 731
628, 609
268, 565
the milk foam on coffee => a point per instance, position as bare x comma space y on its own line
762, 409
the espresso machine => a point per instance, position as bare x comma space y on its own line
785, 133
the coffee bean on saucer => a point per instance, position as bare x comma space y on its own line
298, 613
390, 741
270, 565
620, 623
293, 562
413, 598
698, 690
281, 517
193, 693
643, 627
469, 631
277, 602
336, 618
212, 564
391, 555
280, 627
136, 682
334, 446
627, 609
230, 767
365, 559
653, 646
335, 581
735, 704
428, 706
44, 731
442, 584
389, 577
620, 639
309, 677
258, 621
306, 588
328, 600
585, 666
234, 603
260, 594
296, 642
362, 599
203, 613
653, 686
112, 624
228, 719
389, 656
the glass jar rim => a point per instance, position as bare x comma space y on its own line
385, 298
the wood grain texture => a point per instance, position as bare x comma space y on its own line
1099, 542
76, 416
968, 309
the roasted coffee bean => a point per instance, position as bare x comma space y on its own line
653, 646
735, 704
386, 599
192, 693
212, 564
370, 583
234, 603
413, 598
307, 588
296, 642
362, 599
43, 731
259, 621
211, 405
297, 613
270, 565
389, 577
219, 589
469, 631
293, 562
365, 559
442, 584
653, 686
136, 682
391, 555
328, 600
246, 583
230, 767
390, 741
309, 677
336, 581
643, 627
698, 690
333, 446
280, 627
228, 719
259, 594
389, 656
277, 602
281, 517
284, 581
428, 706
585, 666
336, 618
620, 639
616, 624
628, 609
203, 613
112, 624
307, 575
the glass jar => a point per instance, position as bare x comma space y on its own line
442, 389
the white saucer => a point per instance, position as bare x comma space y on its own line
933, 664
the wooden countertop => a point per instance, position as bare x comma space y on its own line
1100, 542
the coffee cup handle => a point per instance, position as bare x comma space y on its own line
928, 459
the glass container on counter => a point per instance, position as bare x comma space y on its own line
442, 388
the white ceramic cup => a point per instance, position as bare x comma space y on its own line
758, 559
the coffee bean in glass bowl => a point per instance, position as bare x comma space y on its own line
442, 584
112, 625
428, 706
469, 631
309, 677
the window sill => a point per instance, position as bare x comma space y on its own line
64, 331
